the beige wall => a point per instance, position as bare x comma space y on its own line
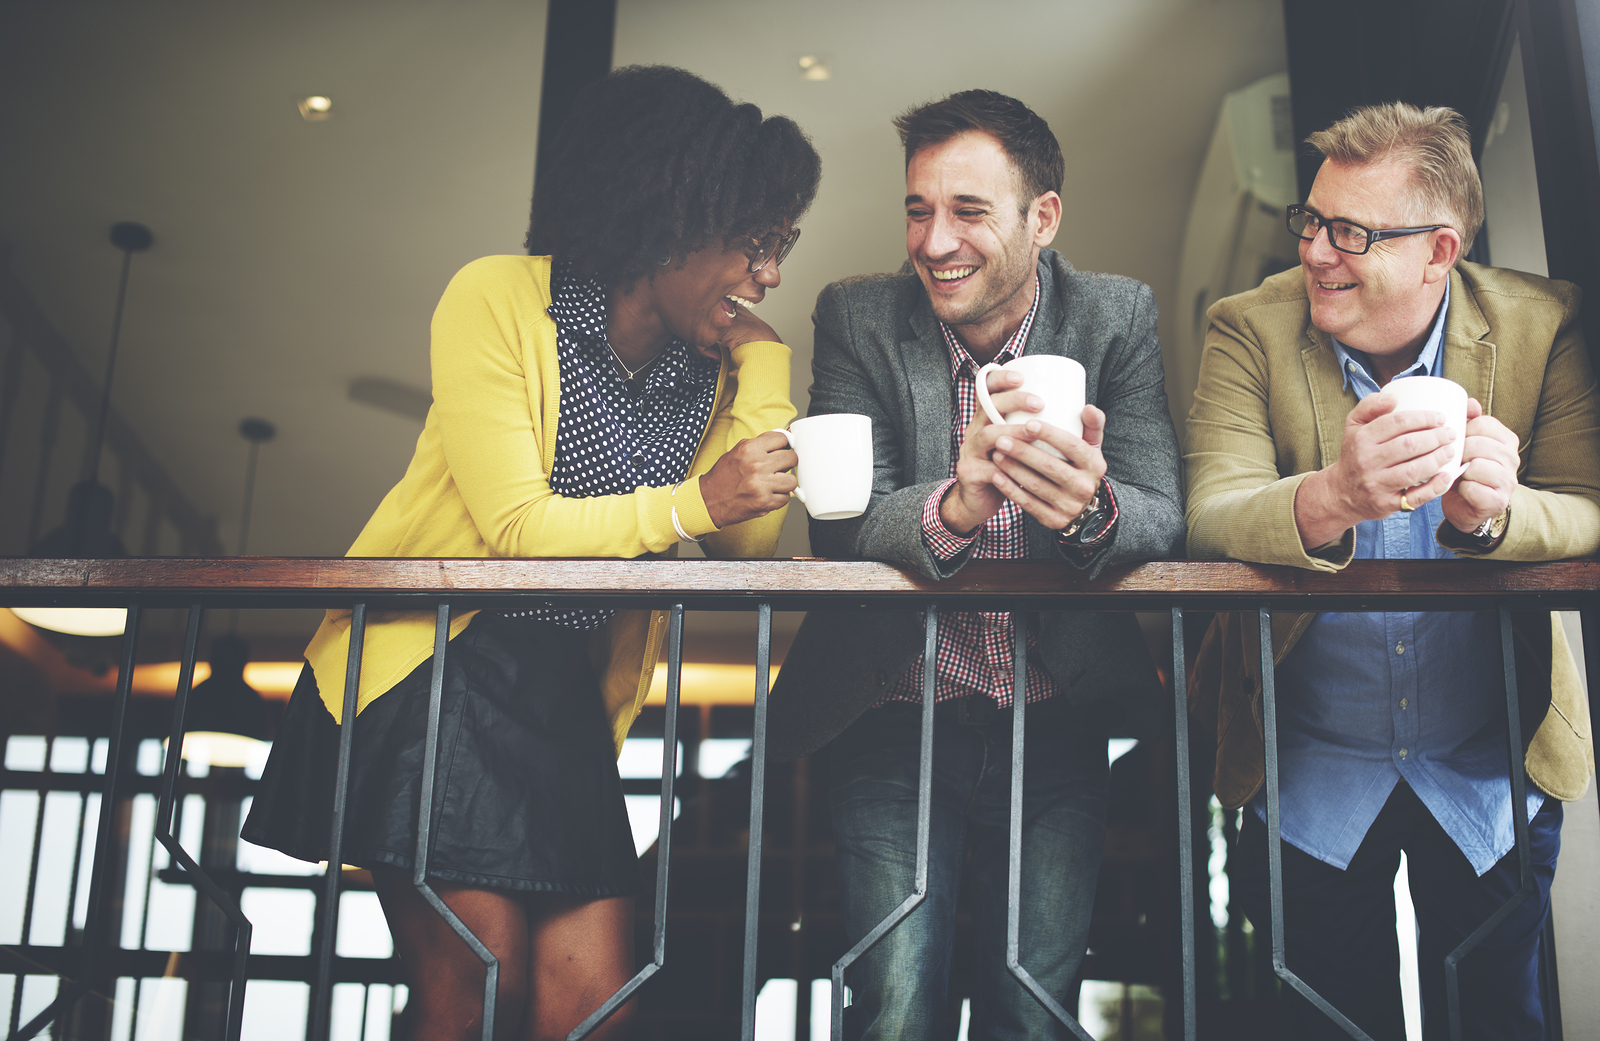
1131, 89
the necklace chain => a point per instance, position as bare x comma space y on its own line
632, 380
627, 373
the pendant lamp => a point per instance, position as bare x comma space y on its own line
228, 722
87, 530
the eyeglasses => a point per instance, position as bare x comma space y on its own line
772, 249
1343, 235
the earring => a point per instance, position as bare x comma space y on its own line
666, 258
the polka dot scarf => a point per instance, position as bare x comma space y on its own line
610, 441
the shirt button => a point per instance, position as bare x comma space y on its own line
638, 462
1399, 648
1405, 702
1402, 753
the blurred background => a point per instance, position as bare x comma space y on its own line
311, 175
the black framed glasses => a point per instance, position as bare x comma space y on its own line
771, 249
1346, 236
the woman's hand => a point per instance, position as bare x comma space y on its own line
747, 328
752, 478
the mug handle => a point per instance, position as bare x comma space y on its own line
789, 440
983, 393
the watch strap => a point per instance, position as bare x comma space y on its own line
1093, 527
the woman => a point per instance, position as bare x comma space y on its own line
607, 396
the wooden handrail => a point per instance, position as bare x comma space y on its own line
790, 584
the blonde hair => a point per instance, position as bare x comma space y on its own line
1432, 142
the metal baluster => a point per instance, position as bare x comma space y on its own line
38, 845
669, 772
328, 905
33, 879
105, 844
77, 849
919, 887
1519, 822
758, 798
94, 925
164, 832
1019, 700
427, 811
1269, 726
1180, 740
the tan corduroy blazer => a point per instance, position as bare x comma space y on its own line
1270, 409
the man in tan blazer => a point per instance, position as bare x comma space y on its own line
1392, 726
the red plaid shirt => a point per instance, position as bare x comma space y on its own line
975, 647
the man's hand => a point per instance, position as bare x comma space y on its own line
1000, 462
1385, 455
1484, 490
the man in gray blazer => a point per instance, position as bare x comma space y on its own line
983, 178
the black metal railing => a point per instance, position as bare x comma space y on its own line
444, 586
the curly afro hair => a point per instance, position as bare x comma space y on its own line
655, 162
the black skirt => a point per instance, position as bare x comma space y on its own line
526, 789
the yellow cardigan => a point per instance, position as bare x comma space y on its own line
479, 483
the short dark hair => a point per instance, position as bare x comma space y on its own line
1024, 137
653, 162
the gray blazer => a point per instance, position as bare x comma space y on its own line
879, 352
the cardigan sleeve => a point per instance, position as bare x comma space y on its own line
754, 400
497, 394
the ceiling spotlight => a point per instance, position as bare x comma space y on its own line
814, 68
315, 108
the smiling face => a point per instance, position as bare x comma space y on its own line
698, 298
972, 242
1384, 301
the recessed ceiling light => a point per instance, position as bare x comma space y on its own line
814, 68
315, 108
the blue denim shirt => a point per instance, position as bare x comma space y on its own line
1367, 699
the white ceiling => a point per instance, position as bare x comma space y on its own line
291, 257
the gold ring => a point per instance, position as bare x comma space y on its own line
1405, 504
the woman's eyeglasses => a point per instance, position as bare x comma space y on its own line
772, 249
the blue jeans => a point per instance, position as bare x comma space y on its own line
1339, 926
900, 988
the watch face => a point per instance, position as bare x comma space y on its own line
1095, 526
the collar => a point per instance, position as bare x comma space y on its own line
962, 361
578, 306
1357, 368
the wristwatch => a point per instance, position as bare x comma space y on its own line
1094, 525
1490, 532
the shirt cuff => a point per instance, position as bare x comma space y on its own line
945, 544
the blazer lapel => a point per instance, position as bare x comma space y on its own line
926, 370
1330, 402
1469, 359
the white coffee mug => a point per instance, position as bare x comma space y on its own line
1435, 394
1059, 381
835, 468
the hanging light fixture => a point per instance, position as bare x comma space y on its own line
87, 529
228, 722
